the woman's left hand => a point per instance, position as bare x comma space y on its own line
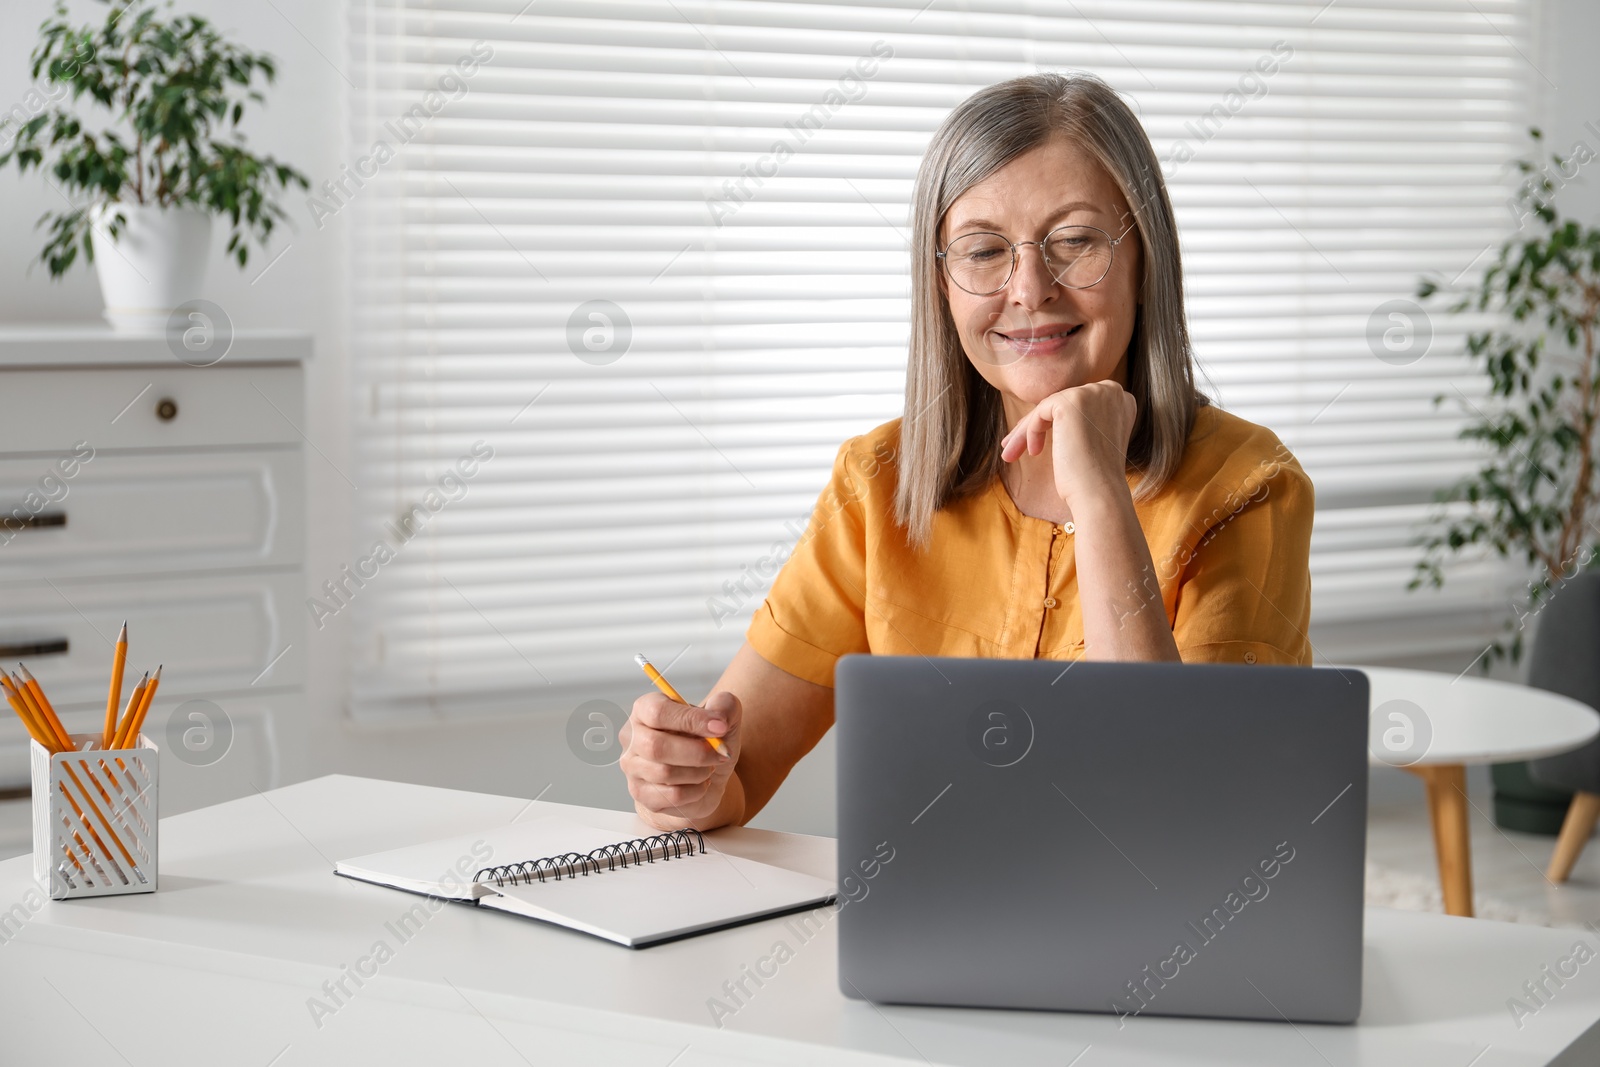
1089, 427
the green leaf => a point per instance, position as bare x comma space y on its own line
166, 87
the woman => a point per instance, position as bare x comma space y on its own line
1057, 488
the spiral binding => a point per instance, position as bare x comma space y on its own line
622, 854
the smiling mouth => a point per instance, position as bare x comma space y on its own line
1027, 342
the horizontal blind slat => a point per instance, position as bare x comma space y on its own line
582, 160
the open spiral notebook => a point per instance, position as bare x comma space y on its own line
635, 892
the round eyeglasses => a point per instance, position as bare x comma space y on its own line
1076, 257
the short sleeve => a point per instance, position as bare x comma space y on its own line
1245, 595
815, 611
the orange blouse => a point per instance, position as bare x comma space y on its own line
1230, 537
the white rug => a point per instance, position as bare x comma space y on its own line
1389, 888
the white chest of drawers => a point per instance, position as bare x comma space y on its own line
136, 486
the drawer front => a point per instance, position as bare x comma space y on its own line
175, 406
211, 633
134, 513
196, 770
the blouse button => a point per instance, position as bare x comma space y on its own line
1249, 657
1068, 527
1050, 601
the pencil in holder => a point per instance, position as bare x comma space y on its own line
94, 818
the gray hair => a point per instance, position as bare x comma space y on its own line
950, 435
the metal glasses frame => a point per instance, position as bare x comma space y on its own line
1113, 242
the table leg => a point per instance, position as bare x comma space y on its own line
1452, 843
1582, 814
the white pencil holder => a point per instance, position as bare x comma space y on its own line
95, 818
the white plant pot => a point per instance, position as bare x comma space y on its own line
157, 263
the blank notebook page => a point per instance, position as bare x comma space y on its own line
658, 901
422, 868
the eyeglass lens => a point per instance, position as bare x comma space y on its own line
1076, 256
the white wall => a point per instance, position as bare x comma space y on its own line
306, 289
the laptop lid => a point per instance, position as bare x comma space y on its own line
1136, 838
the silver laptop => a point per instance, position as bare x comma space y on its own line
1131, 838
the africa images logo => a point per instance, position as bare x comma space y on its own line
1000, 732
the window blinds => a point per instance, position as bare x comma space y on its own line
627, 273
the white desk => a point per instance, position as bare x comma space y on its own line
218, 967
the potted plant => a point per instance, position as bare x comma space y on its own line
140, 189
1536, 495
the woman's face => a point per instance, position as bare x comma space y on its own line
1055, 184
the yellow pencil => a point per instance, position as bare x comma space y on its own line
672, 694
35, 730
87, 851
110, 829
119, 660
42, 702
135, 698
27, 695
144, 709
33, 697
124, 736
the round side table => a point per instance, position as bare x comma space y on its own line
1434, 725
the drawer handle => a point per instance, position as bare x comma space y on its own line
49, 646
12, 524
166, 409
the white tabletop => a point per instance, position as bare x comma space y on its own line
1425, 717
222, 964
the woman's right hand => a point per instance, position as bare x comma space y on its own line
675, 777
